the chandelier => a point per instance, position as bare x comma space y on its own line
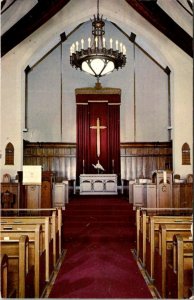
97, 59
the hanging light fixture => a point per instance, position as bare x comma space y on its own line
97, 60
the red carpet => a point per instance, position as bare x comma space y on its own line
99, 233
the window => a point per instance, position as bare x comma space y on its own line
9, 154
186, 154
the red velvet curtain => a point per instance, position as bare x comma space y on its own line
114, 139
82, 139
107, 109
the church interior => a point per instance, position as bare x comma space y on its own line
96, 149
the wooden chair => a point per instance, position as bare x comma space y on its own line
6, 178
7, 199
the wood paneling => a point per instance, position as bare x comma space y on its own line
57, 157
139, 160
182, 195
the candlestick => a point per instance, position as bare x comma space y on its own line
83, 166
113, 163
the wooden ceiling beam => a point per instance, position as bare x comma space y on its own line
35, 18
44, 10
152, 12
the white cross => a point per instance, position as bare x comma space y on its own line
98, 127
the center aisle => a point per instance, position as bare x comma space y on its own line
99, 233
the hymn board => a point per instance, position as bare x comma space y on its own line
98, 130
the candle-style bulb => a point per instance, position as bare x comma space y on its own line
117, 45
82, 43
121, 47
96, 41
111, 43
73, 48
89, 42
104, 42
77, 45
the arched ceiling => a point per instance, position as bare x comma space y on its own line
20, 18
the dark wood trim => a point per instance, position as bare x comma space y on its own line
147, 155
48, 145
151, 11
6, 7
36, 17
146, 144
123, 145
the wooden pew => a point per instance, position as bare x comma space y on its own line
28, 223
14, 267
4, 275
163, 253
179, 273
36, 254
55, 213
152, 238
142, 220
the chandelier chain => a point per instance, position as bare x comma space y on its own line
97, 7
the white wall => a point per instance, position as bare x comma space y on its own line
33, 47
51, 110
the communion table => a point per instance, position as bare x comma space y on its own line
98, 184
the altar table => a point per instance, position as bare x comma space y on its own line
98, 184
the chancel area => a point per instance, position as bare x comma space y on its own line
96, 149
